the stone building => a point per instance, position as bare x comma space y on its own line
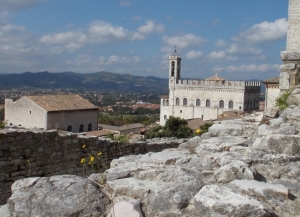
123, 130
205, 99
65, 112
290, 69
272, 92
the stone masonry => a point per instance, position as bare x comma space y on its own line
290, 70
25, 153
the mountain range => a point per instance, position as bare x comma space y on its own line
90, 81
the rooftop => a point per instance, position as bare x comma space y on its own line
216, 77
272, 80
62, 102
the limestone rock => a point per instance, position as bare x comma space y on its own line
225, 129
261, 189
66, 195
294, 97
234, 170
272, 112
213, 200
126, 208
281, 144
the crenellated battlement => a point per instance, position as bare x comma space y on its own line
217, 84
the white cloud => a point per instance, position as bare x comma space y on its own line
98, 32
193, 55
125, 3
248, 68
220, 43
184, 41
264, 32
13, 5
64, 37
217, 55
243, 49
150, 27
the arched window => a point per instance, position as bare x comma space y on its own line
230, 104
90, 127
207, 103
184, 101
165, 117
198, 102
221, 104
69, 128
177, 101
167, 102
81, 128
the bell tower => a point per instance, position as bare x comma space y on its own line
174, 68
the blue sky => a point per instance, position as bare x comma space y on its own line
237, 39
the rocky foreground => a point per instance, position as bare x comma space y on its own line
239, 168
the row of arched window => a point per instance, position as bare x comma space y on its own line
81, 128
207, 103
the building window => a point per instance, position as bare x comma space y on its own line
172, 68
90, 127
221, 104
207, 103
165, 117
69, 128
230, 104
177, 101
184, 101
81, 128
198, 102
180, 111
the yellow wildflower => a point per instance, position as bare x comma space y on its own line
99, 154
82, 160
92, 159
83, 146
198, 131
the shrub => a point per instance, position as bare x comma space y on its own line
174, 127
2, 124
281, 100
204, 128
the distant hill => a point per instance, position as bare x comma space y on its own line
91, 81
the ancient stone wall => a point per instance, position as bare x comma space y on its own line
44, 153
293, 43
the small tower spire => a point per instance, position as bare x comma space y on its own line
175, 49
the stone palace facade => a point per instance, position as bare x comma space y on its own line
205, 99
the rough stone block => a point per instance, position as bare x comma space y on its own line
288, 66
284, 81
290, 55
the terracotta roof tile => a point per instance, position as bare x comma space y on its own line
216, 77
272, 80
62, 102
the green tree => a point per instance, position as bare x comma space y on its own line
174, 127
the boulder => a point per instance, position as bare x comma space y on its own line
126, 208
259, 190
213, 200
234, 170
280, 144
65, 195
225, 129
294, 97
272, 112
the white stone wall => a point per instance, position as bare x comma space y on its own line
272, 93
63, 119
293, 42
164, 111
26, 113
